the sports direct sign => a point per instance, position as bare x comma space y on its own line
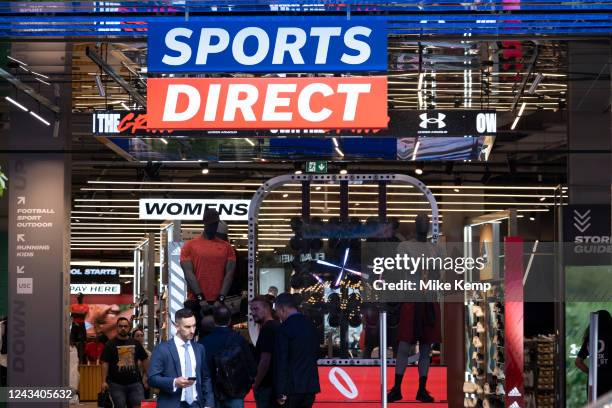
264, 103
307, 44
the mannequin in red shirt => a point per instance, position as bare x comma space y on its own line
208, 263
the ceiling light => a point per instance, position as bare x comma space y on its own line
419, 169
535, 83
297, 166
340, 153
317, 188
101, 90
44, 82
285, 195
40, 118
416, 149
249, 141
16, 60
343, 169
515, 123
532, 218
542, 199
456, 190
40, 75
205, 169
125, 106
520, 113
20, 106
335, 142
164, 141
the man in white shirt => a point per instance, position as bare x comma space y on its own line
178, 368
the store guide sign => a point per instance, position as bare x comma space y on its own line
268, 45
192, 209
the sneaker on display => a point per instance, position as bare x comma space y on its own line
476, 342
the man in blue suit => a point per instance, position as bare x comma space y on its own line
178, 368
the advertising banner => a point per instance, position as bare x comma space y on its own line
407, 124
256, 103
238, 44
94, 274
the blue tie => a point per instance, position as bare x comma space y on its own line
188, 373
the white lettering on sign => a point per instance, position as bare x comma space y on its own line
287, 44
25, 286
185, 209
106, 122
486, 123
93, 289
94, 272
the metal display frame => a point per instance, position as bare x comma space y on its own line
279, 181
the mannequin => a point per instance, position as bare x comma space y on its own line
419, 322
208, 263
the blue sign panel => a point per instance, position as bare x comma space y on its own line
298, 44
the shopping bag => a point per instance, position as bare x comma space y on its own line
148, 404
105, 400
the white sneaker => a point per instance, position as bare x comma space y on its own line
476, 342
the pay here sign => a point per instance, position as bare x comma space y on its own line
264, 103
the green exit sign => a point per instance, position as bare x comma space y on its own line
316, 167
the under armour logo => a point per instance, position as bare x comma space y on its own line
425, 120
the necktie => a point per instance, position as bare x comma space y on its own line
188, 373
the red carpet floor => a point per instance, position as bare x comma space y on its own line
436, 386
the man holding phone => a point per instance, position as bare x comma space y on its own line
178, 368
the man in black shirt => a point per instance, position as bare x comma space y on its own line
124, 362
263, 388
296, 350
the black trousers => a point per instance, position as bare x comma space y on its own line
300, 400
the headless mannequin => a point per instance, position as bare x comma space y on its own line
404, 348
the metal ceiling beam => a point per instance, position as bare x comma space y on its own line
116, 77
29, 91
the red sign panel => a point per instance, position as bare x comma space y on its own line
343, 384
267, 103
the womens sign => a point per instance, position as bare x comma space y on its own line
264, 103
235, 44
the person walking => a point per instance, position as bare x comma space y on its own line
296, 352
124, 364
231, 362
263, 387
178, 368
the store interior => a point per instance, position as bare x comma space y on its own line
511, 174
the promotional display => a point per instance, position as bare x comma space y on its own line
307, 44
455, 124
253, 103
